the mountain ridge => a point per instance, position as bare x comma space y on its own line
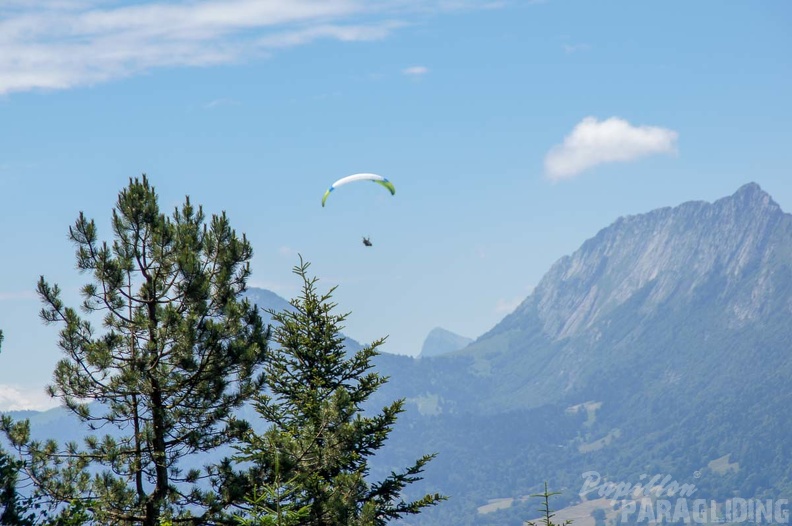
575, 292
441, 341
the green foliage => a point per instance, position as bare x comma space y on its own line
13, 509
179, 350
74, 514
547, 513
320, 439
16, 510
274, 505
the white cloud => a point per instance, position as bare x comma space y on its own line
17, 399
287, 251
415, 71
613, 140
60, 44
574, 48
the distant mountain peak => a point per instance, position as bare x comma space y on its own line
727, 247
751, 189
441, 341
752, 198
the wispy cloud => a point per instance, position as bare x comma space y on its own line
594, 142
60, 44
415, 71
287, 251
217, 103
17, 399
575, 48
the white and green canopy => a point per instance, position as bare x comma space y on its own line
360, 177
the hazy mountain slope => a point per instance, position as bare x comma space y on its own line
726, 264
672, 326
441, 341
266, 299
737, 243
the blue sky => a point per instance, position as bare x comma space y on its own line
513, 131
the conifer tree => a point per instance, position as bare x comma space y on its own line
13, 508
547, 513
9, 499
321, 440
178, 350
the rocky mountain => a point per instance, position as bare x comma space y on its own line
672, 254
441, 341
266, 299
709, 268
662, 346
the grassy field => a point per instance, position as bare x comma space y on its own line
721, 465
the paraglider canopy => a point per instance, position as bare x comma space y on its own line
360, 177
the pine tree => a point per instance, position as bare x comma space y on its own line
178, 351
546, 511
12, 509
320, 440
9, 498
15, 510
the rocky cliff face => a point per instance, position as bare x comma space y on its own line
731, 248
667, 335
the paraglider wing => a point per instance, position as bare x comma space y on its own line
360, 177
